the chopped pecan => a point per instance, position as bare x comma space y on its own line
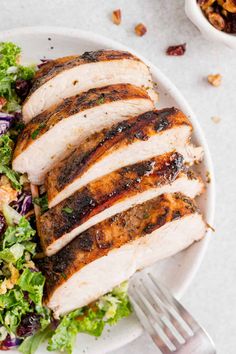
116, 17
205, 3
230, 5
176, 50
217, 21
214, 80
140, 29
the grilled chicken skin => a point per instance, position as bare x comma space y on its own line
139, 138
52, 135
112, 194
69, 76
110, 252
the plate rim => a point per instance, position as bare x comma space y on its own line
172, 90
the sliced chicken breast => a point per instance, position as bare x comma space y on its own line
112, 251
113, 194
52, 135
139, 138
69, 76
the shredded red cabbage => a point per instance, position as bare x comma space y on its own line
23, 204
6, 121
9, 342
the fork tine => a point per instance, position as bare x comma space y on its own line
177, 333
155, 331
164, 330
181, 312
183, 327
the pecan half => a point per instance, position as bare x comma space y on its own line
217, 21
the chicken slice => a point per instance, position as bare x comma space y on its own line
113, 194
52, 135
112, 251
139, 138
69, 76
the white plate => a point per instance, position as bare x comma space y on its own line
176, 272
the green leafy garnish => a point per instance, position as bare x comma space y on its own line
10, 71
31, 344
16, 250
108, 309
37, 131
6, 151
33, 283
18, 233
6, 146
42, 202
101, 99
67, 210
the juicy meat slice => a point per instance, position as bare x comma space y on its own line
139, 138
52, 135
112, 194
69, 76
112, 251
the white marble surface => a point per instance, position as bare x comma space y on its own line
212, 295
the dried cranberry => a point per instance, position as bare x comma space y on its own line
29, 325
176, 50
22, 88
3, 224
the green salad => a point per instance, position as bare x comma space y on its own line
24, 320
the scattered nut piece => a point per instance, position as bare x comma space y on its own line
216, 120
3, 101
116, 17
214, 80
176, 50
140, 29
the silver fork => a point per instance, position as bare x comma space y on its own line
170, 326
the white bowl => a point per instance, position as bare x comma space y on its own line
195, 14
176, 272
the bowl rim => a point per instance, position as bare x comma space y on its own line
180, 100
195, 14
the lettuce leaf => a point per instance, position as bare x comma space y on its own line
42, 202
18, 233
6, 150
6, 146
33, 283
31, 344
108, 309
10, 71
13, 305
12, 254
